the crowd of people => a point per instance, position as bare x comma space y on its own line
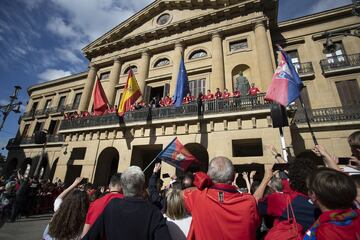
168, 101
312, 199
23, 196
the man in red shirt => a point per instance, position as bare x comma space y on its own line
253, 91
218, 94
219, 210
97, 207
226, 94
209, 95
334, 192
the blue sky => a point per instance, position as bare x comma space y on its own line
41, 40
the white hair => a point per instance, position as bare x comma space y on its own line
221, 170
132, 181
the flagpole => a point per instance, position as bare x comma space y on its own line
283, 145
159, 154
308, 121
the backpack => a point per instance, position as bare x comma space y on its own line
288, 229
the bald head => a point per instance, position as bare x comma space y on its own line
221, 170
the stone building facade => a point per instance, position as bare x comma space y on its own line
223, 42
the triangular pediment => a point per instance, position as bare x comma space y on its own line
178, 13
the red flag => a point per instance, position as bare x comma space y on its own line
100, 100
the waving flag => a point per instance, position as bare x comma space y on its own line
130, 94
286, 84
177, 155
182, 84
100, 100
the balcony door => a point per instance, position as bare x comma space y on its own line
337, 54
294, 56
349, 92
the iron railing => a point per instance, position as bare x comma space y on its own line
31, 140
331, 114
340, 62
192, 109
305, 68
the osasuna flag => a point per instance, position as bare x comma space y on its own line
182, 84
130, 94
286, 84
177, 155
100, 100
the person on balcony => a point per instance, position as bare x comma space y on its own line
218, 94
209, 95
168, 101
253, 91
162, 102
226, 94
187, 99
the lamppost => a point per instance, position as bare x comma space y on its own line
12, 106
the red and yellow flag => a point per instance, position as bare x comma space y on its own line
130, 94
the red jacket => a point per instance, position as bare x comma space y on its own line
221, 212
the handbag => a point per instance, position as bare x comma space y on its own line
288, 229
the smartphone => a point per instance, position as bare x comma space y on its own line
84, 181
280, 166
165, 175
344, 160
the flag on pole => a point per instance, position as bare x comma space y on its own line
177, 155
130, 94
100, 100
286, 84
182, 84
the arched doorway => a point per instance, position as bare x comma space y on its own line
26, 167
12, 165
107, 165
52, 170
201, 153
241, 75
44, 168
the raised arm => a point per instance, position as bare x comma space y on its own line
259, 193
71, 187
330, 161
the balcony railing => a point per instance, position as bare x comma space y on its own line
31, 140
305, 69
332, 114
51, 110
192, 109
340, 62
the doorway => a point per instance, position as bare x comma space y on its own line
73, 171
107, 166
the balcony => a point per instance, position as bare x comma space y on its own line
207, 109
53, 111
340, 64
305, 70
332, 114
55, 138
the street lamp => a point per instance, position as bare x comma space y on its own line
12, 106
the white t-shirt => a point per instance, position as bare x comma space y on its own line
179, 229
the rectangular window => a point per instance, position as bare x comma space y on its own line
76, 101
25, 131
78, 153
197, 86
336, 54
61, 104
238, 45
294, 56
34, 106
349, 92
38, 127
104, 75
47, 104
247, 147
52, 127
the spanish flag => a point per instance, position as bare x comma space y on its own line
130, 94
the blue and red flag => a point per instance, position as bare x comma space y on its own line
286, 84
177, 155
182, 84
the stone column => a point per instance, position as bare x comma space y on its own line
179, 49
88, 88
143, 70
263, 55
217, 75
113, 80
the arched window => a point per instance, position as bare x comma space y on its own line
162, 62
133, 67
198, 54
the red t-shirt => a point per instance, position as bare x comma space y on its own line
210, 96
226, 95
98, 206
221, 212
236, 93
253, 91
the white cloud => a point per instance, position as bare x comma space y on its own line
32, 4
68, 56
58, 26
50, 74
92, 18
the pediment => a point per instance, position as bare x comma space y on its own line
145, 24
